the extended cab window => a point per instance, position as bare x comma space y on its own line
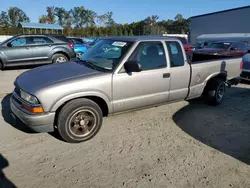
150, 55
175, 54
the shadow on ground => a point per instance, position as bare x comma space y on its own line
10, 119
225, 127
4, 182
16, 123
22, 67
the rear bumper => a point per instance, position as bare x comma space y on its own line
245, 75
38, 123
234, 81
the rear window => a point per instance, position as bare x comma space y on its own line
62, 38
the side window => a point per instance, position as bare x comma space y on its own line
41, 40
19, 42
150, 55
175, 54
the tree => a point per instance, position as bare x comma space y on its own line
119, 31
4, 20
178, 17
113, 31
131, 32
43, 19
51, 15
16, 16
125, 32
78, 15
60, 13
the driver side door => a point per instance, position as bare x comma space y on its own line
146, 88
19, 51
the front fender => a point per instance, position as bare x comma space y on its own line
2, 58
69, 97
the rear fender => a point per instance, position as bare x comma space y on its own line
211, 77
58, 50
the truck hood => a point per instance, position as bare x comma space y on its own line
44, 76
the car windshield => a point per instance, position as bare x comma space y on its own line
106, 54
221, 45
183, 40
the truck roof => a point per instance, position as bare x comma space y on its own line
138, 38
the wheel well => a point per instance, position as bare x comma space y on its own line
98, 100
209, 82
63, 54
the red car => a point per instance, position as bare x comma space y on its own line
185, 43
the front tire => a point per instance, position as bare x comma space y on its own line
79, 120
1, 65
79, 54
216, 92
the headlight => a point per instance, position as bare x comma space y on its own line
29, 98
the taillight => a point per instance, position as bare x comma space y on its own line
71, 45
241, 65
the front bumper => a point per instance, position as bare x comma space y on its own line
245, 75
39, 123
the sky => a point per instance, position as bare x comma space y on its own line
127, 11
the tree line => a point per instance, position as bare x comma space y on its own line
80, 21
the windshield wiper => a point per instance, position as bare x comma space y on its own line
92, 65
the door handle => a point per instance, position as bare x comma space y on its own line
166, 75
27, 47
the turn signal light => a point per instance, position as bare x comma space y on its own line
31, 109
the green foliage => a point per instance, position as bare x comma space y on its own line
84, 22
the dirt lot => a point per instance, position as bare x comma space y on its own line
177, 145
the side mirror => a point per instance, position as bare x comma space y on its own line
132, 66
9, 44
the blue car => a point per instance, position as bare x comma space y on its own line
80, 47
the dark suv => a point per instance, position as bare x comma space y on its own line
35, 49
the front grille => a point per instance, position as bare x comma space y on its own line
17, 91
16, 100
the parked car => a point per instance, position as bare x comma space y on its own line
216, 50
72, 98
35, 49
245, 75
80, 47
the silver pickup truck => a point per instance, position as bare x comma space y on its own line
116, 75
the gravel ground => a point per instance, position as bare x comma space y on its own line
176, 145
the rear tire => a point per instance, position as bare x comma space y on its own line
216, 91
79, 120
59, 58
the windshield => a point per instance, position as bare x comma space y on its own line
222, 45
183, 40
106, 54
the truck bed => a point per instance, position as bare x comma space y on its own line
201, 72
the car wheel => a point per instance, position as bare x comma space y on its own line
216, 92
59, 58
79, 120
79, 54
